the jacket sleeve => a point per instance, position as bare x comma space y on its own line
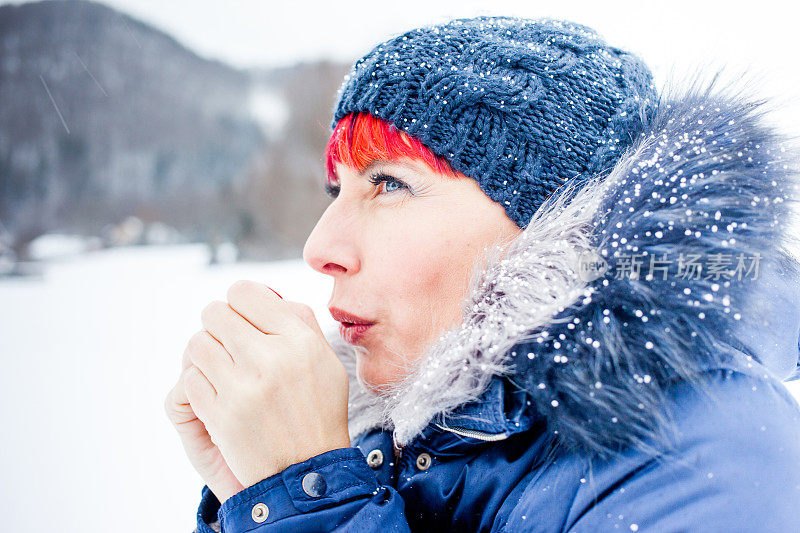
333, 491
736, 469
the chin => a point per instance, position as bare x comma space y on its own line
371, 372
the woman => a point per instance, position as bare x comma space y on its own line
566, 304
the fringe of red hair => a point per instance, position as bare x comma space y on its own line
360, 138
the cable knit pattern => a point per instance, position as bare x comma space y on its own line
520, 105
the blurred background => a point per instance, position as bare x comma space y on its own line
152, 153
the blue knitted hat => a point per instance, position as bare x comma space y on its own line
520, 105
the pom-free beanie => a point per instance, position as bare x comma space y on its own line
520, 105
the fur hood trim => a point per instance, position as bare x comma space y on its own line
563, 316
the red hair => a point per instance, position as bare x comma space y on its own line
360, 138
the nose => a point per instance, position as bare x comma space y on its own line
330, 247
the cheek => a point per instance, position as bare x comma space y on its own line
420, 266
429, 276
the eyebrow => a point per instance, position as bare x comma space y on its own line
374, 163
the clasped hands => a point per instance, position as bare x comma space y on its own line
261, 389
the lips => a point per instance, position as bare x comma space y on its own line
352, 327
353, 333
348, 318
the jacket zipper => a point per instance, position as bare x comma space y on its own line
480, 435
464, 432
397, 449
398, 453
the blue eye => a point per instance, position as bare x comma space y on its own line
389, 180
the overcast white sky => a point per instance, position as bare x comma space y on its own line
762, 36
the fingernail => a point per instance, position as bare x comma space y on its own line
273, 290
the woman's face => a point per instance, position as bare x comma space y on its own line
401, 253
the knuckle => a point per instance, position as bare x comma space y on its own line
303, 310
193, 378
238, 288
212, 309
172, 398
186, 359
168, 402
306, 314
198, 338
197, 345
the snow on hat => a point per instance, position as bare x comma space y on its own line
520, 105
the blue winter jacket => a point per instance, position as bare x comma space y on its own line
618, 369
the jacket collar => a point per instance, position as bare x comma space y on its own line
555, 328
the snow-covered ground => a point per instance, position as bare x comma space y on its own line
89, 353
